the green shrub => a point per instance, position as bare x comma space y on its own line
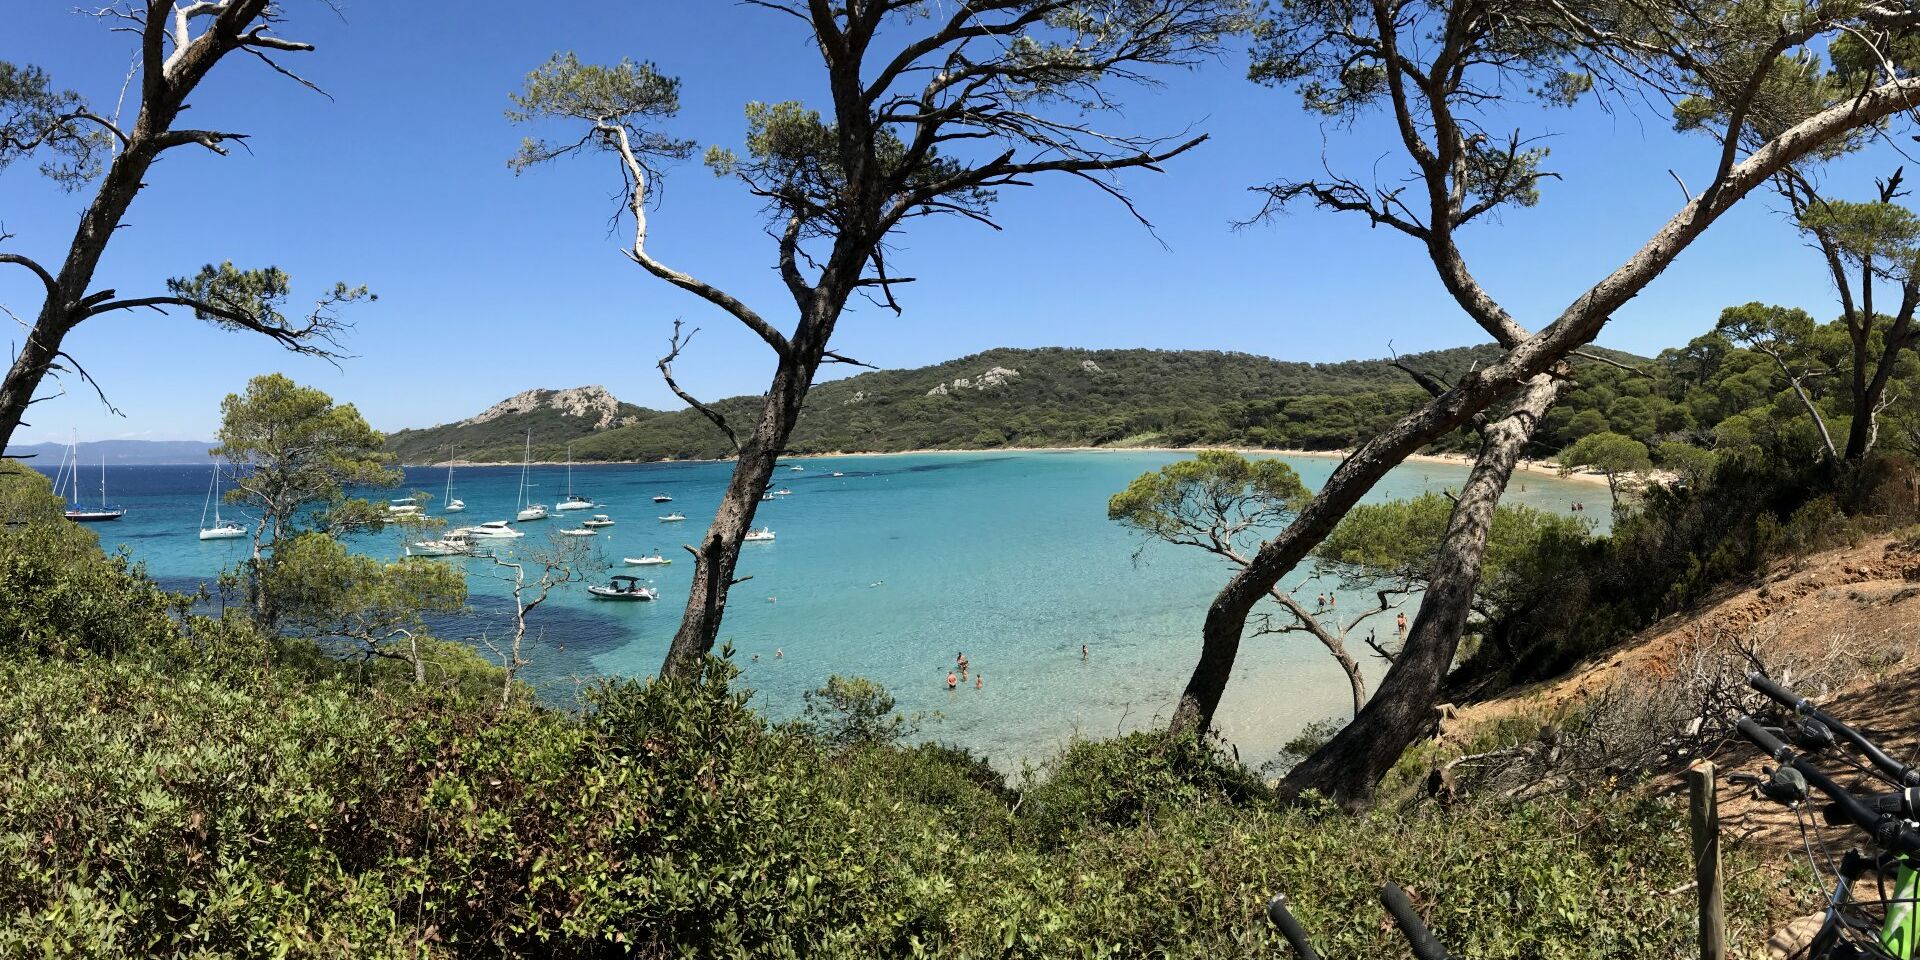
1134, 779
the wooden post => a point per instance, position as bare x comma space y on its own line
1704, 811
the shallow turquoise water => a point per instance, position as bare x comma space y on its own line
888, 572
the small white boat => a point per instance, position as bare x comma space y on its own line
783, 492
838, 474
528, 509
221, 529
224, 530
798, 469
453, 505
449, 547
599, 520
573, 501
673, 518
662, 498
767, 498
495, 530
657, 560
762, 535
623, 587
403, 507
579, 532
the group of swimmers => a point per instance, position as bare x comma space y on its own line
958, 674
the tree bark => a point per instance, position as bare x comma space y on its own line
718, 556
1348, 768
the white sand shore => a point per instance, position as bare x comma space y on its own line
1538, 467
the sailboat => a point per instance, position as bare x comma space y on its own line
453, 506
221, 529
528, 509
572, 502
74, 511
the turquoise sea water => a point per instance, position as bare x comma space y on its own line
886, 572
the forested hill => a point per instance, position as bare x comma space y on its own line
1002, 398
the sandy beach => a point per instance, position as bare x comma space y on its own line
1536, 467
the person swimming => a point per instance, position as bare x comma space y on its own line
953, 682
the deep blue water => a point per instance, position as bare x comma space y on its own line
886, 572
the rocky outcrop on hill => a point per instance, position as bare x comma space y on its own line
592, 402
994, 377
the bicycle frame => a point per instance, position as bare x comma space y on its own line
1897, 935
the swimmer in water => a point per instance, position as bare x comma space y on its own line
953, 682
979, 681
1083, 651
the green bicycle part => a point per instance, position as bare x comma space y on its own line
1902, 928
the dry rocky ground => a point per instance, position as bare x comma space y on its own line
1839, 627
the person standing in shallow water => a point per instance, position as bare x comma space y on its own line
1083, 651
953, 682
1400, 624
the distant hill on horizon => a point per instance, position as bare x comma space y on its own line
118, 452
1003, 398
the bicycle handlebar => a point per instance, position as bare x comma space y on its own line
1888, 831
1425, 947
1905, 775
1290, 927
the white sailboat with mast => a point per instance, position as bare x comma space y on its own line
75, 512
573, 501
221, 529
528, 509
453, 506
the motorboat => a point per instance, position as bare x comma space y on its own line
783, 492
673, 518
657, 560
403, 507
622, 587
494, 530
767, 498
838, 474
74, 511
662, 498
221, 529
449, 547
762, 535
599, 520
798, 469
579, 532
453, 505
573, 501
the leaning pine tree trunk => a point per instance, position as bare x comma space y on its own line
1348, 768
718, 555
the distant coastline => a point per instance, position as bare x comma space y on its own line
1536, 467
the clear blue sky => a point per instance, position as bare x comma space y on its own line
491, 284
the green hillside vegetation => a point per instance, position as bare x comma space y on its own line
1058, 397
1709, 396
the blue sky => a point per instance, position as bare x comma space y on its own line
491, 284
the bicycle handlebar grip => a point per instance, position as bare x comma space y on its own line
1425, 947
1752, 730
1779, 694
1290, 927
